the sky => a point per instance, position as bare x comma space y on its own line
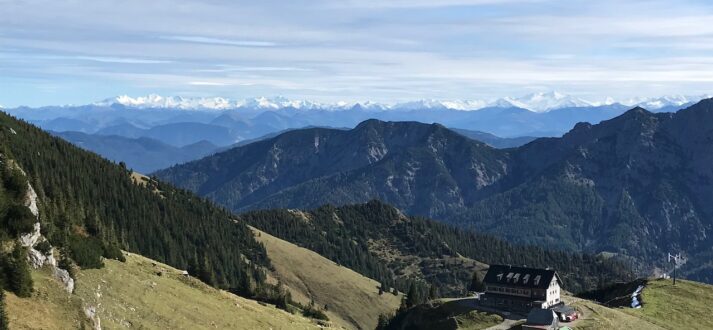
56, 52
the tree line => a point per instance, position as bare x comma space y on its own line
343, 235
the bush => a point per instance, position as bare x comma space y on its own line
44, 247
314, 313
87, 252
4, 323
17, 272
14, 181
112, 251
19, 220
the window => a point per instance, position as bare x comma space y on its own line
500, 276
516, 278
526, 278
537, 279
509, 276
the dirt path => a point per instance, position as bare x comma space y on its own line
506, 325
510, 320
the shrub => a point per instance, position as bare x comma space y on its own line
14, 181
112, 251
18, 272
44, 247
19, 220
312, 312
86, 251
4, 323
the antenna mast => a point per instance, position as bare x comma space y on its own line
678, 261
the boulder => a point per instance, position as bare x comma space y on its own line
66, 280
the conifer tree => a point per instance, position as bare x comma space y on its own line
4, 323
383, 322
412, 298
432, 293
19, 277
476, 284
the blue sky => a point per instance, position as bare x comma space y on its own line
77, 52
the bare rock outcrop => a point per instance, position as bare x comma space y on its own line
36, 258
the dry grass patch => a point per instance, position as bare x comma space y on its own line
352, 300
132, 295
49, 307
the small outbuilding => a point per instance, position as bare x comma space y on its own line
565, 313
541, 319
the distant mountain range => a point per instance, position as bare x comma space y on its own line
181, 121
636, 185
536, 102
148, 154
142, 154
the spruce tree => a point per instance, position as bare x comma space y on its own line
383, 322
412, 298
19, 276
476, 283
432, 293
4, 323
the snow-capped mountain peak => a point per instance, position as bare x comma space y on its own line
655, 103
536, 102
173, 102
542, 102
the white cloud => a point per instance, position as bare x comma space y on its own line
218, 41
124, 60
207, 83
367, 49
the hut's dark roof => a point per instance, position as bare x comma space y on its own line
520, 276
540, 317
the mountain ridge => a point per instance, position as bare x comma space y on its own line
536, 102
595, 179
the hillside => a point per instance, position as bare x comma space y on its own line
422, 169
635, 185
686, 304
132, 295
348, 298
89, 208
377, 241
665, 306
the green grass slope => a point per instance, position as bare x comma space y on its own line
352, 300
133, 295
686, 305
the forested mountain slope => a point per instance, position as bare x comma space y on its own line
638, 184
89, 206
380, 242
422, 169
